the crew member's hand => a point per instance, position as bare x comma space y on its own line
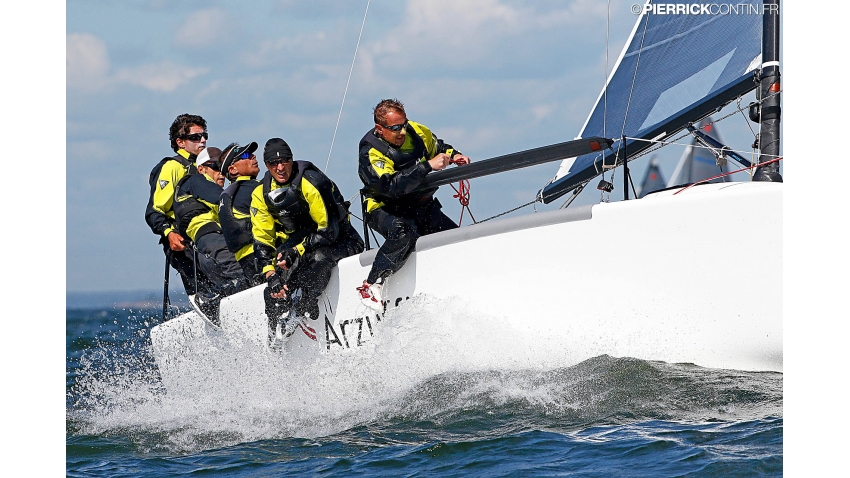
439, 162
287, 257
460, 159
277, 289
175, 241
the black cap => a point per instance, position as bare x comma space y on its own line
275, 149
233, 151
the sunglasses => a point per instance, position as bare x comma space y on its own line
213, 166
196, 137
275, 162
396, 127
245, 155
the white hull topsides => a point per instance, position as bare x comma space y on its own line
694, 278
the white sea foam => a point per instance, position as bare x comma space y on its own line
226, 387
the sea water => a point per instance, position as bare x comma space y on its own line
440, 391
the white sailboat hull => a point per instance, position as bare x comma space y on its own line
694, 277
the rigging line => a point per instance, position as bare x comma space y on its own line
605, 79
576, 192
634, 191
746, 120
508, 212
665, 143
346, 85
631, 89
686, 133
753, 166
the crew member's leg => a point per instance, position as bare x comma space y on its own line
314, 270
400, 236
182, 262
431, 219
250, 270
275, 309
219, 264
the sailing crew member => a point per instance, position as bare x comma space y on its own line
210, 164
301, 230
234, 212
188, 135
196, 211
395, 157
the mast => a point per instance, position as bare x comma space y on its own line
769, 91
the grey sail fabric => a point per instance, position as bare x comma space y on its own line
653, 180
674, 70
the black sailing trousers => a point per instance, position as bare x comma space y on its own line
312, 275
401, 227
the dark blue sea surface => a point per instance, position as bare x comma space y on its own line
403, 411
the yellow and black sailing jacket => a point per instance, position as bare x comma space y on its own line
164, 177
234, 215
304, 214
390, 174
196, 205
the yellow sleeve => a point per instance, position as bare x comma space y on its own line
163, 196
262, 223
427, 137
318, 209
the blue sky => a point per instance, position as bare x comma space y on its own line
490, 77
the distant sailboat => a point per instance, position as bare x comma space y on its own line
697, 162
653, 180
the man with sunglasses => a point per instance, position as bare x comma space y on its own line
210, 164
394, 158
234, 208
301, 231
188, 135
196, 201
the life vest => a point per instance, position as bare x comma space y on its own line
237, 232
287, 205
400, 159
189, 207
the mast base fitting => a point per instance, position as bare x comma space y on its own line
767, 176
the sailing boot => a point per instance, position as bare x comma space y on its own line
371, 295
209, 303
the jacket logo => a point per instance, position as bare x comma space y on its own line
162, 184
253, 211
380, 164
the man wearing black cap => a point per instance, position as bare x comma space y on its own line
394, 158
240, 166
196, 210
188, 135
301, 230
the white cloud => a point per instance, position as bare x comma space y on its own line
204, 28
88, 68
164, 76
86, 62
